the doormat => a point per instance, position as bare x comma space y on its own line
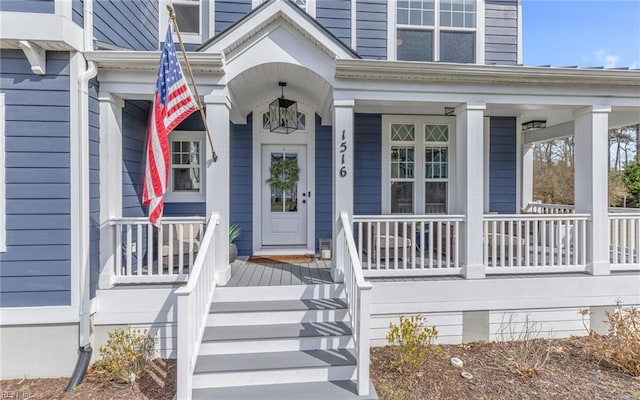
282, 259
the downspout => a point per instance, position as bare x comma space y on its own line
90, 72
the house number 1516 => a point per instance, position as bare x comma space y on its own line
343, 149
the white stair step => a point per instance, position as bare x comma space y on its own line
291, 292
276, 312
277, 305
274, 367
276, 317
278, 337
338, 390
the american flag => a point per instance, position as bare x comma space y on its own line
173, 102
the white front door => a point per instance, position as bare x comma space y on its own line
284, 213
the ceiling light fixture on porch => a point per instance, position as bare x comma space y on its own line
283, 113
536, 124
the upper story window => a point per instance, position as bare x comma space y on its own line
186, 177
188, 16
308, 5
436, 30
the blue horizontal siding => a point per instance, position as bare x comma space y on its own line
371, 28
324, 185
185, 209
501, 32
134, 129
502, 165
367, 163
129, 24
335, 15
229, 11
28, 6
241, 191
78, 12
36, 268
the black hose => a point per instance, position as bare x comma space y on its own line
81, 368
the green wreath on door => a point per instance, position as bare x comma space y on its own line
285, 174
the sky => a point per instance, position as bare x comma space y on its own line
586, 33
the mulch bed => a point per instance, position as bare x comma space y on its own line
159, 382
568, 374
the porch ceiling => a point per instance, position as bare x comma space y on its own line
258, 86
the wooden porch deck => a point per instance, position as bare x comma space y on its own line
245, 273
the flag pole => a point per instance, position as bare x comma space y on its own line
172, 18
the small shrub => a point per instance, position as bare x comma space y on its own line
126, 354
621, 346
410, 340
522, 350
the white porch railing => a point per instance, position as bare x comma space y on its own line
146, 255
545, 208
405, 245
535, 243
624, 240
193, 302
358, 300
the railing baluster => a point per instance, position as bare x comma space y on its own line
118, 248
128, 251
422, 248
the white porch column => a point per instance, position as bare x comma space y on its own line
526, 178
342, 178
217, 178
470, 185
591, 182
110, 182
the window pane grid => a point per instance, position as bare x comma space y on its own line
458, 13
403, 132
436, 133
185, 165
416, 12
436, 163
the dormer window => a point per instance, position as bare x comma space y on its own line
436, 30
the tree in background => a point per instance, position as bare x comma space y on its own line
554, 175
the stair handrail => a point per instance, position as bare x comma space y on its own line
359, 300
193, 302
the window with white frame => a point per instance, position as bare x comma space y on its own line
188, 16
302, 121
436, 30
308, 5
186, 176
3, 215
417, 169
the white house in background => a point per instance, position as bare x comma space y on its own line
413, 136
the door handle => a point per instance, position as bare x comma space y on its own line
304, 202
